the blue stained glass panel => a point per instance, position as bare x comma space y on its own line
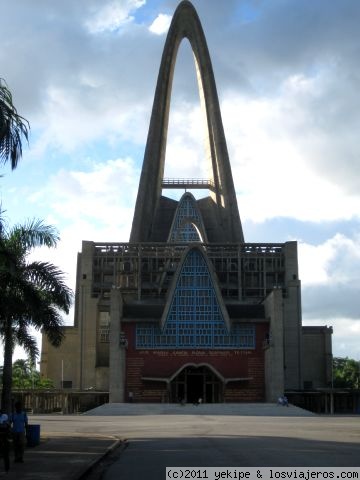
187, 215
195, 319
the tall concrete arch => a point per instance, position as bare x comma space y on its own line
186, 24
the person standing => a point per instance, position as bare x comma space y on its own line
4, 439
19, 422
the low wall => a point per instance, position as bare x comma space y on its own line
59, 401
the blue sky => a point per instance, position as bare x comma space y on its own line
287, 72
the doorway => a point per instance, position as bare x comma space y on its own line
193, 383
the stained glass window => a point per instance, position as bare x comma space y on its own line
195, 319
187, 218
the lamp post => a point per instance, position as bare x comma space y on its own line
62, 374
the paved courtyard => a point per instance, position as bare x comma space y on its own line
153, 437
196, 439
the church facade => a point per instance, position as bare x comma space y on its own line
186, 309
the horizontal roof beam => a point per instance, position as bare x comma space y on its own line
190, 183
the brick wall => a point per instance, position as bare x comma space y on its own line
165, 363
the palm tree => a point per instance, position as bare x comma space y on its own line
13, 127
21, 373
33, 294
25, 376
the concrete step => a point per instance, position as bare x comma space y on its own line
240, 409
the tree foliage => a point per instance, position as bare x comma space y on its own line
26, 377
33, 294
13, 128
346, 372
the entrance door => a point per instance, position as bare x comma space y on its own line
193, 383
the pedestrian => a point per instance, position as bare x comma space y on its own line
4, 439
19, 422
283, 400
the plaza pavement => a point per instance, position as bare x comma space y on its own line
60, 457
71, 445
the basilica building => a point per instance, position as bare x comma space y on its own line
186, 309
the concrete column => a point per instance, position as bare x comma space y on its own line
332, 402
292, 320
329, 380
274, 354
117, 350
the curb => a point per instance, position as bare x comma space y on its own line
85, 471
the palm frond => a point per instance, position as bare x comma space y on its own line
51, 325
34, 233
50, 280
13, 128
2, 221
19, 296
27, 342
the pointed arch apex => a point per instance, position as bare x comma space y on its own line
187, 225
186, 24
193, 261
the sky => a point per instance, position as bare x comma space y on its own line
287, 73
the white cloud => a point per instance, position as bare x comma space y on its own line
69, 123
330, 279
105, 195
185, 150
270, 165
336, 261
161, 24
112, 15
313, 262
95, 205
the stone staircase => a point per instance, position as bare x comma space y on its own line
240, 409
